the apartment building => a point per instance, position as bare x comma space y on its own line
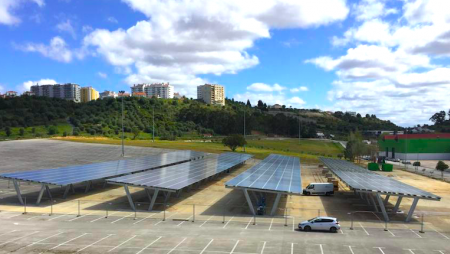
89, 94
211, 94
67, 91
108, 94
158, 90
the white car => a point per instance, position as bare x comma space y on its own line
320, 223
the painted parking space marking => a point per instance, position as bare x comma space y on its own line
416, 233
157, 239
184, 239
205, 221
95, 242
124, 242
367, 233
170, 216
181, 223
440, 251
60, 216
121, 218
380, 249
228, 222
350, 248
15, 239
206, 247
79, 217
101, 217
37, 216
435, 230
148, 217
321, 248
66, 242
263, 247
271, 222
9, 232
248, 224
410, 251
40, 241
235, 245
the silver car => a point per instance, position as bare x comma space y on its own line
320, 223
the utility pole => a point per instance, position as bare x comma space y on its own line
123, 148
299, 127
153, 128
244, 126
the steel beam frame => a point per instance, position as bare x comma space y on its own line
397, 205
19, 195
130, 199
275, 204
249, 201
41, 193
382, 207
153, 199
411, 210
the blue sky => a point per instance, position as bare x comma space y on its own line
388, 58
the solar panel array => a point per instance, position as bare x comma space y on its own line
179, 176
89, 172
360, 178
277, 173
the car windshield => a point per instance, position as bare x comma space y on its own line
313, 219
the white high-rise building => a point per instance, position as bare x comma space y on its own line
158, 90
66, 91
211, 94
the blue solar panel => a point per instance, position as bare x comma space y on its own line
179, 176
275, 173
359, 178
90, 172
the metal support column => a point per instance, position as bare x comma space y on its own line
66, 191
88, 186
374, 203
386, 200
73, 189
397, 205
249, 201
179, 193
49, 192
148, 194
411, 210
167, 197
41, 193
130, 200
19, 195
275, 204
382, 207
152, 201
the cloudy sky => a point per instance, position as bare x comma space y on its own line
389, 58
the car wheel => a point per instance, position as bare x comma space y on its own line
333, 230
307, 228
308, 193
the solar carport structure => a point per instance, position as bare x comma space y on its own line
86, 174
370, 186
277, 174
177, 177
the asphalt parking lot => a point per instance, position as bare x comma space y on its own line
41, 233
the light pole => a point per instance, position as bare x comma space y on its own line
153, 128
123, 148
244, 126
299, 127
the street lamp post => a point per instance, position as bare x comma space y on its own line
123, 135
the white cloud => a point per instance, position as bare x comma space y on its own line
102, 75
184, 39
27, 84
112, 20
66, 27
2, 89
299, 89
261, 87
371, 9
8, 8
56, 50
87, 29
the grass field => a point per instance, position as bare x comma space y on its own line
39, 131
308, 150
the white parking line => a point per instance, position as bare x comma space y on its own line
94, 243
40, 241
228, 222
184, 239
321, 248
149, 245
73, 239
15, 239
166, 218
122, 218
9, 232
145, 218
391, 233
248, 224
204, 249
231, 252
271, 222
350, 248
342, 232
264, 246
416, 233
15, 215
101, 217
440, 251
54, 218
36, 216
435, 230
363, 228
122, 243
205, 221
410, 251
380, 248
181, 223
76, 218
292, 248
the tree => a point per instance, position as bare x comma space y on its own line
249, 104
136, 132
8, 131
21, 132
234, 141
438, 118
441, 166
52, 130
260, 105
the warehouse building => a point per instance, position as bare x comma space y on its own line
415, 146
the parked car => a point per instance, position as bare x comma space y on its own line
396, 160
406, 162
319, 189
320, 223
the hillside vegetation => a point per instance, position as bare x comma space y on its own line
184, 118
